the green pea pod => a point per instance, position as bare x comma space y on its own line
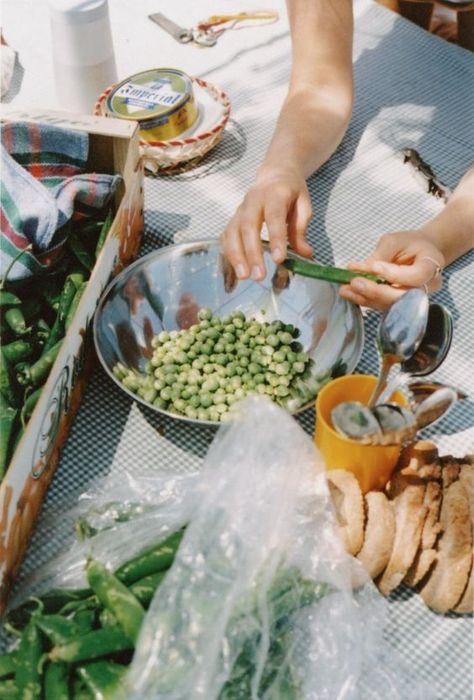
67, 296
79, 690
103, 678
8, 664
78, 276
75, 304
56, 682
16, 321
52, 602
30, 308
7, 388
17, 351
34, 374
306, 268
80, 251
92, 645
29, 405
28, 675
65, 301
9, 690
144, 589
155, 559
51, 297
103, 232
59, 630
42, 329
116, 598
8, 299
84, 620
7, 427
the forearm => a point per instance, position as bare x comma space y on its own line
452, 230
311, 125
316, 112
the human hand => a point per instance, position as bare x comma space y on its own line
280, 199
405, 259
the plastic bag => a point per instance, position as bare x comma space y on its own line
116, 519
259, 602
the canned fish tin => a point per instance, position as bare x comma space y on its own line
161, 100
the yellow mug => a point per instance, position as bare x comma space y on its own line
372, 465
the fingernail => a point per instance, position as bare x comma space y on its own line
277, 254
379, 267
240, 271
359, 285
256, 272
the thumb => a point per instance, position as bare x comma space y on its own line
419, 272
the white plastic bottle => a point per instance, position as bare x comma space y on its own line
83, 52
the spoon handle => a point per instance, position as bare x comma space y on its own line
387, 362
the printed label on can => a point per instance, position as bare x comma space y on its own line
158, 94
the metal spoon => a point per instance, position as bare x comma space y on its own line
421, 390
431, 352
428, 412
401, 330
354, 420
435, 406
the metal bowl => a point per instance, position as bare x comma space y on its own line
165, 289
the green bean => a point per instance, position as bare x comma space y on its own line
93, 645
8, 664
56, 681
40, 369
155, 559
28, 675
103, 678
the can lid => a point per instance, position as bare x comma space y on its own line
78, 11
150, 94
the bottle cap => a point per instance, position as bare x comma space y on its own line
78, 11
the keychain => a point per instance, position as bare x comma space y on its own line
207, 32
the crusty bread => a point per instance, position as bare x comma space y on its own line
448, 578
379, 533
410, 512
426, 553
349, 506
466, 477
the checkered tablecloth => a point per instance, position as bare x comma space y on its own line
412, 89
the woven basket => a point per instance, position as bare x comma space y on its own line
176, 155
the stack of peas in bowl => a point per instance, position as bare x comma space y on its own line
201, 371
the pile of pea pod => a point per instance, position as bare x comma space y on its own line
35, 316
77, 644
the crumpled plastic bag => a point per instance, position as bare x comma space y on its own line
262, 602
259, 603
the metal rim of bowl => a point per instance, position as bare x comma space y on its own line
198, 244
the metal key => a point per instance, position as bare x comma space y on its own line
184, 36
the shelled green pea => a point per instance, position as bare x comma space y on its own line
200, 372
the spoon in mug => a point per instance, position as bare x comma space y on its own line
399, 425
401, 331
431, 352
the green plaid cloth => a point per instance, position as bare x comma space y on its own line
44, 186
